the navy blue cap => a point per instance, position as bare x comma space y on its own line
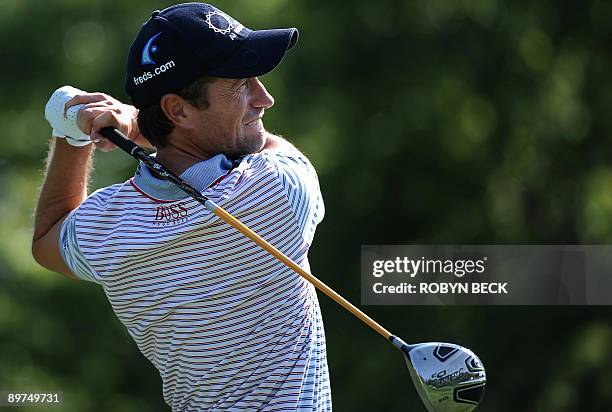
190, 40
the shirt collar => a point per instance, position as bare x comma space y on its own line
200, 175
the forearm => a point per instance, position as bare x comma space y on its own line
65, 184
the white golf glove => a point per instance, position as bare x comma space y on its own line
65, 126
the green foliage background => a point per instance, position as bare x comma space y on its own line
429, 121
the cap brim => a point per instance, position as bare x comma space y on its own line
259, 54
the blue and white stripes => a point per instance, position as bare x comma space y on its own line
227, 325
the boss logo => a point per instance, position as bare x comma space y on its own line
174, 214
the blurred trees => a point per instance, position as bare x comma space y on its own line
430, 121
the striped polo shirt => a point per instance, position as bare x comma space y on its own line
227, 325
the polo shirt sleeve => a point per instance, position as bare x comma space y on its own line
301, 185
70, 251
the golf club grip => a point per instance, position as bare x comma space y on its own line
119, 139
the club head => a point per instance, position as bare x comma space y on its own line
448, 377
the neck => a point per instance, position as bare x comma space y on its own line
177, 160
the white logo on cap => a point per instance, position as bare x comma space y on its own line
217, 29
232, 28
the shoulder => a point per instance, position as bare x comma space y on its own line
284, 164
102, 198
105, 208
297, 181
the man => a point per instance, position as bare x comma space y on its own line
227, 326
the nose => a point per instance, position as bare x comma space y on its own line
260, 98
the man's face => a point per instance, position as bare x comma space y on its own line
232, 122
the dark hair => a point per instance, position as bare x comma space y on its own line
152, 121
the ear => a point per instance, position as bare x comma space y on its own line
178, 111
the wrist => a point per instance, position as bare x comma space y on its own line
63, 120
62, 144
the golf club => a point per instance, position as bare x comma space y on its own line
448, 377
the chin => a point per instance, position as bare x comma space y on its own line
250, 144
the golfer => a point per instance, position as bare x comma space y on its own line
227, 325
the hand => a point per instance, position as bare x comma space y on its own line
101, 110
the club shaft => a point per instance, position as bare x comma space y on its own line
134, 150
242, 228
